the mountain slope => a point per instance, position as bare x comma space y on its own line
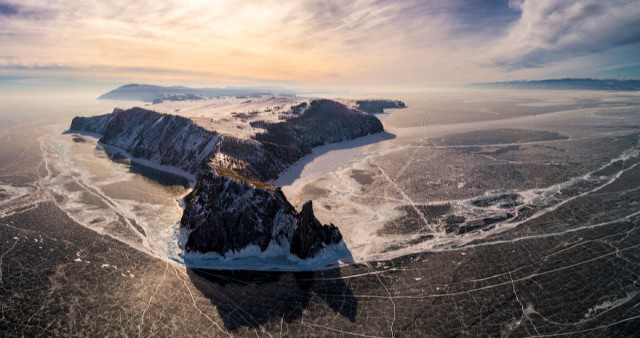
566, 84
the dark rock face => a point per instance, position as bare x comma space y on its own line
310, 236
327, 120
324, 121
95, 124
226, 214
160, 138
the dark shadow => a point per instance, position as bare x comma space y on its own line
159, 176
155, 175
330, 286
255, 298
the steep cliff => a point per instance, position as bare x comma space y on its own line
160, 138
310, 236
226, 213
94, 124
324, 121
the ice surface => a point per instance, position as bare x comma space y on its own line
571, 271
328, 170
274, 258
83, 179
325, 159
324, 176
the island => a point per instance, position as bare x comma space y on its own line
232, 155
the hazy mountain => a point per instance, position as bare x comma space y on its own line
566, 84
148, 93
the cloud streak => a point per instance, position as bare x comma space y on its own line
8, 9
550, 31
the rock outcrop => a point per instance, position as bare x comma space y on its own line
226, 213
324, 121
310, 236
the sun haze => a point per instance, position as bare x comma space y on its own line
315, 43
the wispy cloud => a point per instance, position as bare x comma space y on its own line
7, 9
550, 31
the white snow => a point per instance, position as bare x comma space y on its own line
609, 304
221, 114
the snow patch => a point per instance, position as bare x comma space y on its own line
609, 304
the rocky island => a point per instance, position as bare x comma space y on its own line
232, 207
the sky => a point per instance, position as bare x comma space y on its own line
91, 45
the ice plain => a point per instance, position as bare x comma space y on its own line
565, 164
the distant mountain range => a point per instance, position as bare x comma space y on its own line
149, 93
566, 84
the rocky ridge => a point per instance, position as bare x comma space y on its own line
164, 139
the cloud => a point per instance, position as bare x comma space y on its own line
288, 40
314, 42
555, 30
23, 11
7, 9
